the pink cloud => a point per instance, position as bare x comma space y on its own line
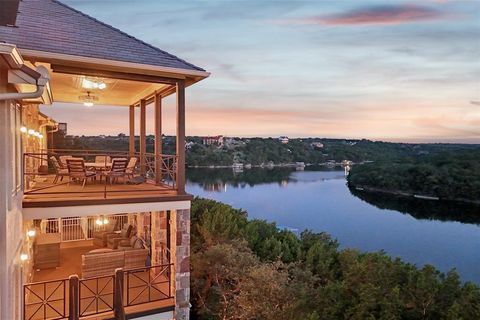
398, 14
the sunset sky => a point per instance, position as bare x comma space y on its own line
382, 70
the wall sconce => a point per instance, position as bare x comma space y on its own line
31, 233
24, 257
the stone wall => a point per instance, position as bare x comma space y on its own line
159, 237
182, 264
179, 254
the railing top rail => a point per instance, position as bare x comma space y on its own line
101, 277
90, 152
44, 282
150, 267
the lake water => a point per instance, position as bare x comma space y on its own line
419, 231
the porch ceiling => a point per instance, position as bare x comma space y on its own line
69, 88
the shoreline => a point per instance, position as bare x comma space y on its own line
410, 194
275, 165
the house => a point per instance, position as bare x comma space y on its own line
213, 140
189, 145
62, 128
283, 139
317, 145
71, 244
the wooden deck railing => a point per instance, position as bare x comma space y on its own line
151, 172
74, 298
79, 228
45, 300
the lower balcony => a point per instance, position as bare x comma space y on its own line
100, 267
73, 177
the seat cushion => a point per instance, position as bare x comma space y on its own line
133, 240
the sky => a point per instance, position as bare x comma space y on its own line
383, 70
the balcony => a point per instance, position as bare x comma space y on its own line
75, 276
50, 181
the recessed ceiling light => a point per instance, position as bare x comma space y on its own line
88, 83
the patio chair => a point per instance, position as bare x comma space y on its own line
118, 169
135, 242
63, 160
131, 167
125, 234
103, 159
77, 171
59, 171
100, 237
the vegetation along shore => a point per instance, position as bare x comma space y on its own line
250, 269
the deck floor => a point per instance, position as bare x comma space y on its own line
70, 261
45, 191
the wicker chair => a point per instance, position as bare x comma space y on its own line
100, 237
104, 263
77, 171
114, 239
59, 171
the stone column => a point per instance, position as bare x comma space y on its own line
181, 257
158, 236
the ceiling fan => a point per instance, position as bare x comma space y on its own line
88, 99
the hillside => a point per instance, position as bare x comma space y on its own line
257, 151
249, 269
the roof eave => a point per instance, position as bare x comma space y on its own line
52, 57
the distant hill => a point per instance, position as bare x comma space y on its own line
257, 151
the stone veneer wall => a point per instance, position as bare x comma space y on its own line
181, 232
159, 236
180, 254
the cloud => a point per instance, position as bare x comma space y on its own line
382, 15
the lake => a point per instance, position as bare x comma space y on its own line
419, 231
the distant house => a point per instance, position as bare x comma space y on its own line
283, 139
213, 140
62, 127
317, 145
189, 145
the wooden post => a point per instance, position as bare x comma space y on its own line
143, 137
73, 298
180, 89
132, 130
158, 138
118, 308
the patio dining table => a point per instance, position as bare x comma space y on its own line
98, 165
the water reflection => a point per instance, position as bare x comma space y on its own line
423, 209
219, 178
443, 234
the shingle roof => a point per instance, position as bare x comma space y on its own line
51, 26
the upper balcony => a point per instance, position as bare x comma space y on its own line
50, 181
85, 177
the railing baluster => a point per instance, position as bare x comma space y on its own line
119, 310
73, 298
